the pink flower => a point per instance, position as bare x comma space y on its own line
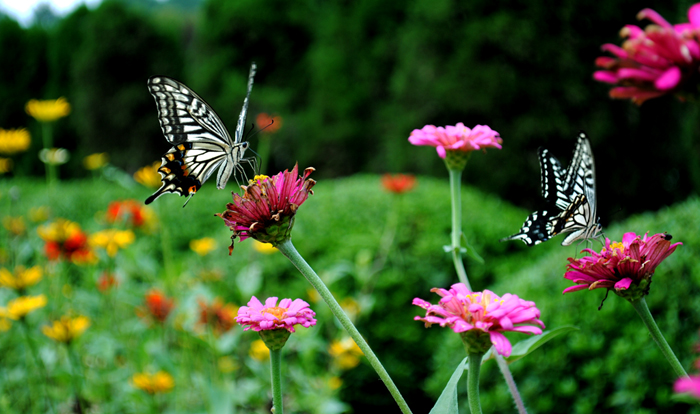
688, 385
652, 62
269, 316
266, 210
456, 138
482, 313
621, 264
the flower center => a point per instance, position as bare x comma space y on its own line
258, 179
277, 312
617, 247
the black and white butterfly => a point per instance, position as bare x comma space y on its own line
201, 142
570, 196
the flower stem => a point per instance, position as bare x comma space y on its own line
77, 376
642, 309
473, 382
511, 383
39, 362
288, 249
276, 371
456, 190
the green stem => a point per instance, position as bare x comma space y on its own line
473, 382
77, 376
510, 382
287, 248
39, 362
456, 190
263, 152
642, 309
276, 371
47, 138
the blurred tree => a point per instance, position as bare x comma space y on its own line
118, 51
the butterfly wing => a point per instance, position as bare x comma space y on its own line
536, 229
201, 142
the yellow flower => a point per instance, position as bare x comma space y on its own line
5, 323
112, 240
345, 352
258, 351
66, 329
14, 225
13, 141
160, 382
48, 110
22, 279
334, 383
351, 307
226, 364
37, 214
313, 295
265, 248
203, 246
5, 165
23, 305
149, 175
95, 161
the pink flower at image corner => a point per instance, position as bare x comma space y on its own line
688, 385
463, 311
269, 316
620, 264
456, 138
652, 62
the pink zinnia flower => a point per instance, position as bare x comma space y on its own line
688, 385
621, 265
456, 138
652, 62
266, 210
481, 313
269, 316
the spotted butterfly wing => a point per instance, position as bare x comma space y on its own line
570, 197
201, 142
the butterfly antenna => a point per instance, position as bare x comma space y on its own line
188, 200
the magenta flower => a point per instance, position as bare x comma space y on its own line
266, 210
269, 316
481, 313
621, 265
688, 385
456, 138
655, 61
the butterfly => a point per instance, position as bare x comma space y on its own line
570, 196
201, 142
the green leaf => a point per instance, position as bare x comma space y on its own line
472, 251
447, 403
527, 346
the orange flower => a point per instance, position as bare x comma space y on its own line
106, 282
398, 183
218, 314
158, 305
268, 124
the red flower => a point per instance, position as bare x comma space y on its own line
398, 183
106, 282
158, 305
268, 124
267, 208
65, 239
218, 314
131, 212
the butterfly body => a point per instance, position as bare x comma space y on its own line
201, 142
570, 196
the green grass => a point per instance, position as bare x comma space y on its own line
610, 366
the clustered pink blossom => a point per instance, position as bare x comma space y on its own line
269, 316
266, 210
620, 264
655, 61
463, 311
456, 138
